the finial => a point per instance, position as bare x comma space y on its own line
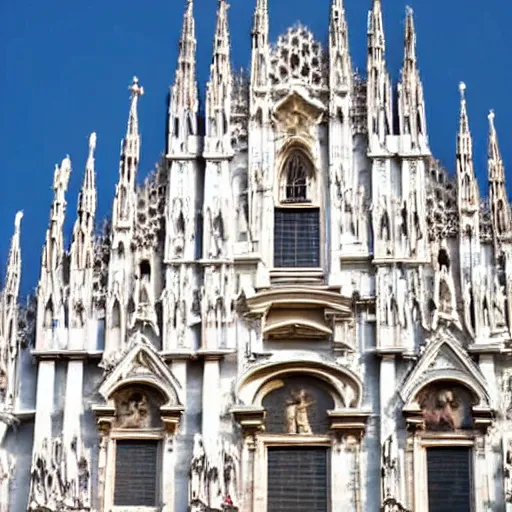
135, 88
491, 115
92, 142
17, 220
409, 11
462, 89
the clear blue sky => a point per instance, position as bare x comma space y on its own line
66, 67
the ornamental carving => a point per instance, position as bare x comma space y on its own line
298, 57
137, 408
214, 476
60, 477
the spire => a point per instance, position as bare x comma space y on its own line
218, 95
54, 248
379, 96
376, 39
184, 97
82, 248
500, 208
341, 65
124, 202
410, 39
13, 274
9, 318
411, 103
131, 142
260, 47
468, 189
260, 21
87, 198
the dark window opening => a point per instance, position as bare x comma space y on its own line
297, 169
136, 473
297, 480
297, 237
449, 479
145, 268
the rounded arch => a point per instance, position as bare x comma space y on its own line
344, 385
166, 392
412, 395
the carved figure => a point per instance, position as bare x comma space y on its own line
198, 473
297, 414
59, 478
134, 412
389, 473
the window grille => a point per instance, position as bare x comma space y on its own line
297, 237
449, 479
297, 480
136, 473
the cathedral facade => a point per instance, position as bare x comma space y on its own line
298, 310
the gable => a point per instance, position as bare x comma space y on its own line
143, 365
444, 359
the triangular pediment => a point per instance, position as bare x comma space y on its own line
444, 359
142, 364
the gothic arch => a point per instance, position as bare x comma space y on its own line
345, 387
298, 176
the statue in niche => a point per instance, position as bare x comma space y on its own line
401, 301
446, 409
198, 468
360, 216
178, 220
297, 420
123, 203
134, 411
499, 305
217, 231
389, 470
445, 298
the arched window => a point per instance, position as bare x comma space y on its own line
297, 215
297, 172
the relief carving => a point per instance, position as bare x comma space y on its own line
213, 477
136, 409
60, 477
446, 409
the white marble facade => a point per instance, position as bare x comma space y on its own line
299, 271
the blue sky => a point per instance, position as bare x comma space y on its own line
66, 67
